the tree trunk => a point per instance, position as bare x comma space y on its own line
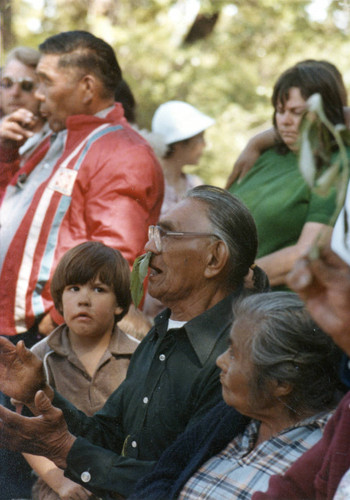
6, 25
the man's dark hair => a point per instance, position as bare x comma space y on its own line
124, 95
82, 50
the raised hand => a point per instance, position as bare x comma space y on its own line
21, 372
16, 127
46, 434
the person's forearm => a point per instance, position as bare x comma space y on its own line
46, 469
55, 479
278, 264
250, 154
264, 140
104, 472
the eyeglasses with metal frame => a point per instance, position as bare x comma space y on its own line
156, 233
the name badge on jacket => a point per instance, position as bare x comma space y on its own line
63, 181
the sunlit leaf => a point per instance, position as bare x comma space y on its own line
306, 159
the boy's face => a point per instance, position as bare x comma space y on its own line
89, 309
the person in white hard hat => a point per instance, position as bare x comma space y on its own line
181, 127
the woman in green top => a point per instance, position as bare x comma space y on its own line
287, 214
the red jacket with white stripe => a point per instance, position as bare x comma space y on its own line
107, 186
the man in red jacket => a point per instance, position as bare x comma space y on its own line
94, 178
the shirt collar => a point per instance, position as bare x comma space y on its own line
120, 342
203, 330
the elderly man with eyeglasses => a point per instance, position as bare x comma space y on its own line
201, 252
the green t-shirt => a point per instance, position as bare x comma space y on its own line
280, 201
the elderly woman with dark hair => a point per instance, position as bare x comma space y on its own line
288, 214
280, 373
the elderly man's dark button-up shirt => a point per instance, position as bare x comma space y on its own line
171, 382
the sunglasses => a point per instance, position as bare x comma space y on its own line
26, 83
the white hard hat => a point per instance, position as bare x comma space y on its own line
176, 121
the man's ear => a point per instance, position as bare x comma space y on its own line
89, 88
217, 258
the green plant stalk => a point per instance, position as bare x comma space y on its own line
322, 237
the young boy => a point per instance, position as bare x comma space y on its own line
87, 357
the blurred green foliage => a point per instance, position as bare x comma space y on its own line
228, 74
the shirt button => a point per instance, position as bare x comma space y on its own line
162, 357
134, 444
85, 477
145, 400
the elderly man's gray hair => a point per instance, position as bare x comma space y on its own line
233, 223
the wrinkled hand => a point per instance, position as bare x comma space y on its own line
15, 128
324, 284
21, 371
46, 434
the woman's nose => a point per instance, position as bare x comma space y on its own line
286, 117
220, 361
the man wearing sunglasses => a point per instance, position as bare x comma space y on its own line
18, 82
17, 85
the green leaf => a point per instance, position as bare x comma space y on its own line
138, 275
